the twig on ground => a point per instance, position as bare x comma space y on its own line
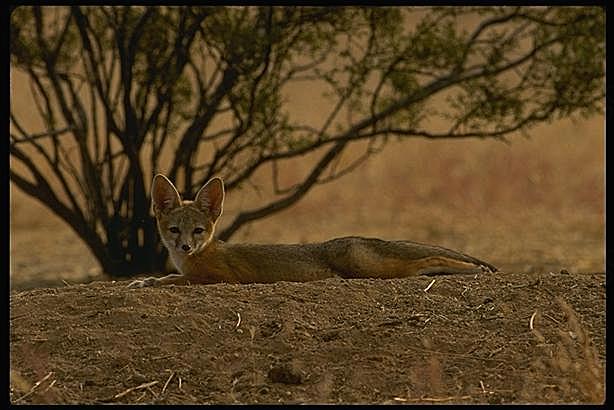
532, 319
141, 386
33, 389
152, 392
429, 286
432, 399
536, 332
553, 319
50, 385
166, 384
494, 352
527, 285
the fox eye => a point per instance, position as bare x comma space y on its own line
173, 229
199, 230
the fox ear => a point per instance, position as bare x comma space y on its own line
210, 198
164, 196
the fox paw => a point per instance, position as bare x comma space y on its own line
143, 283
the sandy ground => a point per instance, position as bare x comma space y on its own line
489, 338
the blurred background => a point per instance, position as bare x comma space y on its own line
533, 204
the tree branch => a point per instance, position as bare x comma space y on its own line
283, 203
16, 140
92, 67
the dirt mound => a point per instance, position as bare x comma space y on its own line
492, 338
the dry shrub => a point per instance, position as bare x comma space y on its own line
572, 363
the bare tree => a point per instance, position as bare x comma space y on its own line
121, 88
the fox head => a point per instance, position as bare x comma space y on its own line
186, 227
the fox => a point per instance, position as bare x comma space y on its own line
187, 230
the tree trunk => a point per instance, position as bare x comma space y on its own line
126, 256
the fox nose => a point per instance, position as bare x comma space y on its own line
186, 247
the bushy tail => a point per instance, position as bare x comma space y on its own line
357, 257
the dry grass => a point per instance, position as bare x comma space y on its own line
571, 361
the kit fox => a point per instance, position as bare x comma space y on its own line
187, 230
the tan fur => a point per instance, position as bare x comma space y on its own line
187, 230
